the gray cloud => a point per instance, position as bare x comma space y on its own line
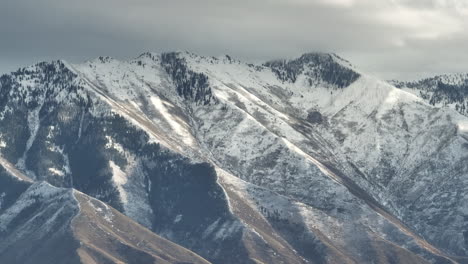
389, 38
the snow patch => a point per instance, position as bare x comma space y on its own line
120, 178
65, 170
210, 229
463, 126
112, 144
56, 172
227, 229
178, 219
173, 121
102, 209
33, 124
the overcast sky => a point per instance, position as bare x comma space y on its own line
402, 39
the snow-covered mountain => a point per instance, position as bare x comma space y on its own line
306, 160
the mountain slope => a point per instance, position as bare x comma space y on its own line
44, 224
82, 144
296, 161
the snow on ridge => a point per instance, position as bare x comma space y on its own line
454, 79
368, 91
368, 94
263, 199
128, 87
450, 79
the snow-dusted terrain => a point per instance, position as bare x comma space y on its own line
46, 224
306, 160
449, 90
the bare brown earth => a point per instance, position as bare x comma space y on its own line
107, 236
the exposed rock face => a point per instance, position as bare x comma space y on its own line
227, 160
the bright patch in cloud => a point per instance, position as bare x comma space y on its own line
421, 23
339, 3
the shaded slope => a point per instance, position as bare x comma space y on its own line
40, 223
108, 236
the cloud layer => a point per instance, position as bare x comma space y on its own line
390, 38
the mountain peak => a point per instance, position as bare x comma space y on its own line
316, 56
320, 68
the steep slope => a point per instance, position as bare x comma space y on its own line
40, 223
166, 138
216, 118
369, 132
316, 235
84, 139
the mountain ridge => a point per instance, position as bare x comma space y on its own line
174, 113
448, 90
